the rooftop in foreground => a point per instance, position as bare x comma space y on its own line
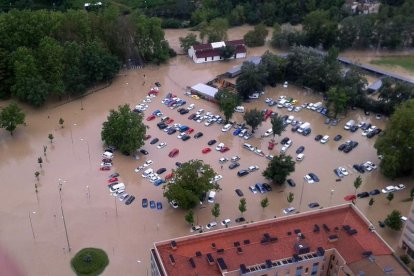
343, 228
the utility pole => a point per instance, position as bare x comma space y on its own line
63, 215
31, 225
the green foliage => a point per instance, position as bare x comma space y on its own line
357, 183
277, 125
51, 137
37, 174
320, 29
90, 261
397, 145
275, 67
215, 31
279, 169
192, 180
227, 102
188, 41
11, 116
189, 217
405, 259
290, 197
251, 79
286, 36
406, 62
337, 100
227, 52
40, 161
237, 16
264, 203
257, 36
61, 121
371, 201
393, 93
390, 197
242, 206
253, 118
215, 211
124, 129
393, 220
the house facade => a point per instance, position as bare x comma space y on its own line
211, 51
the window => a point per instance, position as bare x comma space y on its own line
205, 59
306, 270
299, 270
315, 269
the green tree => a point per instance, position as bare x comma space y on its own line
227, 102
124, 129
371, 201
215, 211
189, 217
253, 118
237, 16
390, 197
277, 125
11, 116
40, 161
188, 41
290, 197
242, 206
215, 31
74, 76
251, 79
37, 174
51, 137
320, 29
192, 180
357, 183
257, 36
393, 220
397, 144
275, 67
264, 203
227, 52
279, 169
338, 100
61, 121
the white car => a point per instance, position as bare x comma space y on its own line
370, 164
161, 145
106, 164
288, 210
290, 119
259, 152
191, 107
309, 179
219, 146
399, 187
196, 228
226, 128
241, 134
147, 173
284, 149
270, 157
179, 136
253, 189
285, 84
216, 178
123, 197
268, 100
211, 225
268, 132
343, 171
300, 157
235, 158
388, 189
248, 146
325, 139
288, 143
200, 111
211, 196
174, 204
226, 222
138, 169
223, 160
253, 168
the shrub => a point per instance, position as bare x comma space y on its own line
405, 259
90, 261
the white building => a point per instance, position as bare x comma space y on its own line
211, 51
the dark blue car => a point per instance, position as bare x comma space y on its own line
159, 205
144, 203
237, 131
152, 204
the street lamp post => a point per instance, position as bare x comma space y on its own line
89, 153
116, 206
301, 194
330, 198
31, 225
63, 215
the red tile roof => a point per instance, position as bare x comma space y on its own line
206, 50
350, 247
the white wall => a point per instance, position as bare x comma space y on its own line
215, 58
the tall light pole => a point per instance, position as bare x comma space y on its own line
63, 215
71, 134
31, 225
89, 153
301, 194
330, 198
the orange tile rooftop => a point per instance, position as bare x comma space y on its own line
350, 247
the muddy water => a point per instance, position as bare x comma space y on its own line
94, 218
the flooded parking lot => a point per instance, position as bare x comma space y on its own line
97, 219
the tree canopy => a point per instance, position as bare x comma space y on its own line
11, 116
257, 36
227, 102
277, 125
393, 220
251, 79
124, 129
188, 41
253, 118
279, 169
191, 181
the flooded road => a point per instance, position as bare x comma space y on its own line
96, 219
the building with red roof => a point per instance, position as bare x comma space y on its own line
211, 51
338, 240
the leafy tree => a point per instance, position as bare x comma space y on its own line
37, 174
50, 136
189, 217
61, 121
290, 197
253, 118
215, 31
215, 211
188, 41
320, 29
251, 79
227, 52
227, 102
357, 183
393, 93
11, 116
338, 99
390, 197
237, 16
277, 125
393, 220
40, 161
275, 67
242, 206
264, 203
192, 180
257, 36
371, 201
279, 169
124, 129
286, 36
74, 76
397, 144
44, 150
5, 74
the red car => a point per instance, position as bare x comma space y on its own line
113, 179
105, 168
190, 130
153, 91
107, 160
173, 153
224, 149
147, 137
169, 121
169, 176
350, 197
206, 150
271, 145
151, 117
267, 114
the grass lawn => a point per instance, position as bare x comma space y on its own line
406, 62
90, 262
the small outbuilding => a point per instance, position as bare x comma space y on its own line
211, 51
204, 91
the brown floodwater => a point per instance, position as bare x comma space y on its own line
95, 219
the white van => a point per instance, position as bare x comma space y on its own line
219, 146
303, 127
268, 132
300, 157
211, 196
147, 172
116, 187
226, 128
108, 154
349, 124
316, 106
239, 109
325, 139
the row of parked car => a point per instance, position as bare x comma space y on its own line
117, 189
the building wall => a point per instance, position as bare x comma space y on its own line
211, 59
407, 237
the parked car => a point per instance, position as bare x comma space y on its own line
267, 187
309, 179
388, 189
300, 149
162, 145
314, 177
224, 149
313, 205
253, 189
159, 205
338, 137
144, 203
260, 188
211, 225
152, 204
288, 210
129, 200
161, 170
235, 158
291, 182
173, 153
198, 135
239, 192
242, 173
226, 222
234, 165
211, 142
196, 228
363, 195
206, 150
374, 192
174, 204
114, 175
318, 137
